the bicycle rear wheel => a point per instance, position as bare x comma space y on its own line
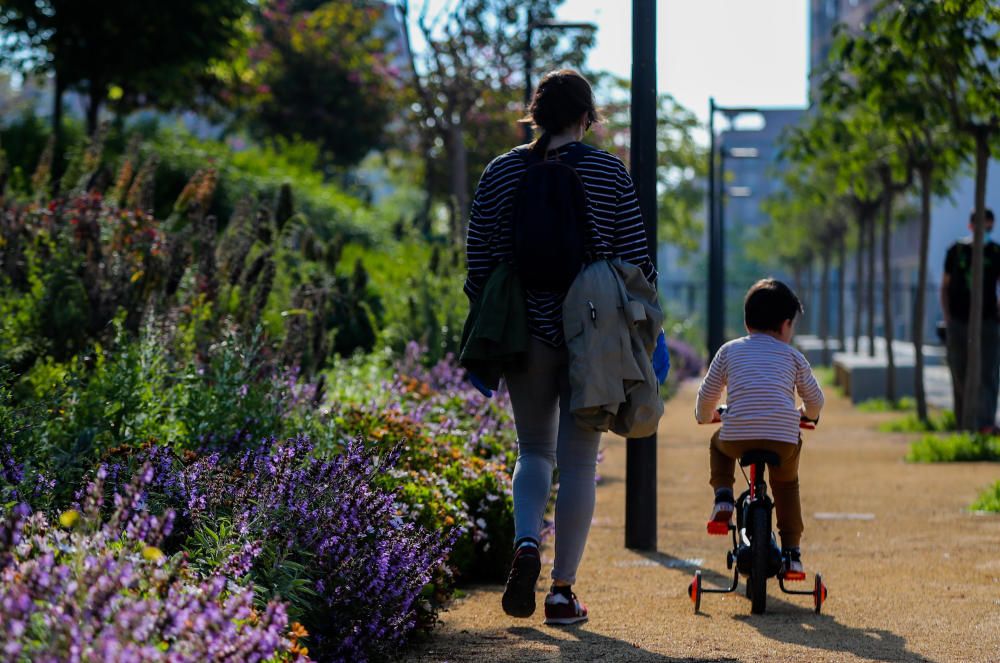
760, 540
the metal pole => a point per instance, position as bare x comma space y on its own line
720, 240
716, 307
529, 64
640, 460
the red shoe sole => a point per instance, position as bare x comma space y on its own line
718, 527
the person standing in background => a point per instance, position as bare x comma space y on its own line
956, 295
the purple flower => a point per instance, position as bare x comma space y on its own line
92, 594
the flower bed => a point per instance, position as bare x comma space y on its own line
103, 590
458, 452
358, 535
343, 496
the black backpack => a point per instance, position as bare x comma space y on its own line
549, 221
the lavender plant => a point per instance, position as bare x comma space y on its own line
86, 589
366, 564
319, 534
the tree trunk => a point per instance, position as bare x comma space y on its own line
458, 178
920, 306
424, 221
890, 355
841, 291
824, 296
972, 368
57, 134
859, 279
797, 279
811, 296
95, 97
870, 220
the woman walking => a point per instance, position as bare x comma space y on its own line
563, 109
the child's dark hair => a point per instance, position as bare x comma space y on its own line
768, 304
560, 99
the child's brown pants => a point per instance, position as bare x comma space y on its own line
784, 479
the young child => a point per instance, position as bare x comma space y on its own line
761, 373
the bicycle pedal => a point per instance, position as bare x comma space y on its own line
794, 576
718, 527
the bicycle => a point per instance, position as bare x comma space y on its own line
755, 553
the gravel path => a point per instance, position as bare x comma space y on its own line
920, 581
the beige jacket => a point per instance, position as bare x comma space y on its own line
611, 319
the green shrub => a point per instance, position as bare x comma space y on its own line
882, 405
824, 375
259, 171
244, 169
24, 141
911, 423
134, 390
988, 500
421, 292
956, 448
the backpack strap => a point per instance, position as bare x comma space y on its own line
576, 153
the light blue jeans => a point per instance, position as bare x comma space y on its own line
548, 437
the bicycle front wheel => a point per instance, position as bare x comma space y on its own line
760, 539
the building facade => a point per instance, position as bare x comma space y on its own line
824, 16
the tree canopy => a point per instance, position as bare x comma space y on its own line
122, 52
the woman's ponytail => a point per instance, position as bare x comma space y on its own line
540, 146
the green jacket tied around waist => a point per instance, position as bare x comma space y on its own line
496, 331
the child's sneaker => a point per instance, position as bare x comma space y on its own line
563, 608
791, 564
722, 512
519, 595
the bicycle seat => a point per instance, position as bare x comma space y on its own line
755, 456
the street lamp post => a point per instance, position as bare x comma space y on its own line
529, 56
716, 227
640, 453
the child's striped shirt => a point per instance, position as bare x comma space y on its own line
761, 375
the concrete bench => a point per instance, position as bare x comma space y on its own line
811, 348
934, 355
863, 378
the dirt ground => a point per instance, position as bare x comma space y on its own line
918, 582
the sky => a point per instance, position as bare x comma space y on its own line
742, 52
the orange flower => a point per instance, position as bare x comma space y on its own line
297, 631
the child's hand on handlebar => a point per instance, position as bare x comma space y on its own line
806, 422
717, 416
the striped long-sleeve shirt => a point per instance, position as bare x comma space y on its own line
761, 375
612, 207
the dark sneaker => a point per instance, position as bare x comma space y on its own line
564, 610
791, 565
519, 596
